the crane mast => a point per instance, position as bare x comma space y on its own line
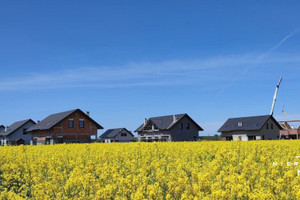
275, 96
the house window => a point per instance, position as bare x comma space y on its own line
188, 126
240, 124
181, 125
60, 139
71, 123
81, 123
272, 126
251, 137
48, 140
123, 134
267, 126
24, 131
229, 138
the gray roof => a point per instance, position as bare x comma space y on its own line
15, 126
252, 123
166, 122
111, 133
2, 127
53, 119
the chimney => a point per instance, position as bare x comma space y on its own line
5, 129
88, 113
38, 121
145, 121
174, 118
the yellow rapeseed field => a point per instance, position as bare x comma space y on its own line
183, 170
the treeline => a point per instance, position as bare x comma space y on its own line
215, 137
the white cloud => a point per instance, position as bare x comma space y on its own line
202, 71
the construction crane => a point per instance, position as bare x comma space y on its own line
275, 96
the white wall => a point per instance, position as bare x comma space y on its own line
243, 137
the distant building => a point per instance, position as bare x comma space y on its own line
116, 135
179, 127
16, 134
251, 128
289, 132
72, 126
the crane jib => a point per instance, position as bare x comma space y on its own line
275, 96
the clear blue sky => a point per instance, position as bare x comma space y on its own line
128, 60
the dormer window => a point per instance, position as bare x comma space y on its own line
240, 124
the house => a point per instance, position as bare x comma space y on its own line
16, 133
179, 127
263, 127
289, 131
116, 135
2, 128
73, 126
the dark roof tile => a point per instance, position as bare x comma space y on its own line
53, 119
111, 133
247, 123
15, 126
166, 122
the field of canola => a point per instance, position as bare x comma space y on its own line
184, 170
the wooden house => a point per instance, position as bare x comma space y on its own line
72, 126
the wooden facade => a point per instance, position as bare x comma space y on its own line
76, 127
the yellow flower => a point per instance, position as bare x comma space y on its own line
183, 170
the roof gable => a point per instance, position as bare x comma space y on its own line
54, 119
166, 122
247, 123
111, 133
189, 118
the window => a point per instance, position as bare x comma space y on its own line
24, 131
188, 126
272, 126
240, 124
81, 123
123, 134
181, 125
267, 126
229, 138
60, 139
48, 140
251, 137
71, 123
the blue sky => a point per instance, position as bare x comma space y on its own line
128, 60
